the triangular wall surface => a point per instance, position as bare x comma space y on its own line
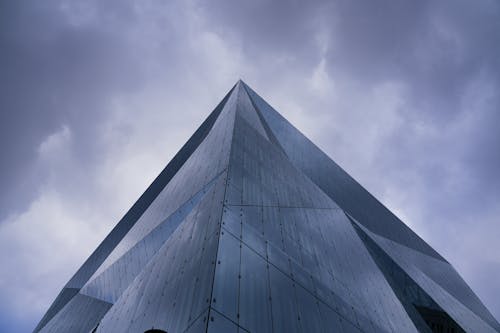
252, 228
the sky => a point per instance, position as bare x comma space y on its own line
97, 96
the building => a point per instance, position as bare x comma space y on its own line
252, 228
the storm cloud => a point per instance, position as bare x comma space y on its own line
97, 96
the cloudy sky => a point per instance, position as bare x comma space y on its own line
97, 96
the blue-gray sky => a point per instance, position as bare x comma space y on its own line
97, 96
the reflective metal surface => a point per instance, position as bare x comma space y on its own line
252, 228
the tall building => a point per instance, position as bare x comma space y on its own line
252, 228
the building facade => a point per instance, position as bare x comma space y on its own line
252, 228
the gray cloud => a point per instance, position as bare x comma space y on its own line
96, 97
54, 73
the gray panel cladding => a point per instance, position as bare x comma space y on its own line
251, 228
174, 288
422, 267
111, 282
80, 315
335, 182
130, 218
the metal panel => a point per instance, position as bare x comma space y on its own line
310, 317
227, 276
286, 317
80, 315
217, 323
255, 299
199, 325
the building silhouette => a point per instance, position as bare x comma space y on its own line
252, 228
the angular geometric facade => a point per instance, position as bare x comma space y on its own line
252, 228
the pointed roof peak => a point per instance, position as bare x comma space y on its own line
241, 82
240, 85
